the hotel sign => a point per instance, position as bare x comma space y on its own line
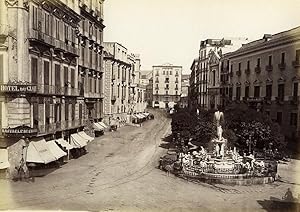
19, 131
17, 88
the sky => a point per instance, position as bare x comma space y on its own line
170, 31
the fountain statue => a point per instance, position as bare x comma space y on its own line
219, 141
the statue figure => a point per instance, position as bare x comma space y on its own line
217, 149
222, 151
219, 116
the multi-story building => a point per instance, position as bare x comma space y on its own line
219, 46
145, 77
149, 92
265, 75
185, 84
40, 51
123, 94
194, 88
166, 85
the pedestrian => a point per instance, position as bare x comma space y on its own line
140, 124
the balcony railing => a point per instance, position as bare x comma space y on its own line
238, 73
296, 63
92, 95
113, 98
257, 69
280, 100
255, 99
294, 100
281, 66
247, 71
269, 67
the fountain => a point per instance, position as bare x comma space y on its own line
222, 165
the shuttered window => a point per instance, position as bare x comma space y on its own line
34, 69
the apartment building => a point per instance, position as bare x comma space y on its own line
185, 84
40, 56
194, 85
203, 72
265, 75
166, 85
123, 94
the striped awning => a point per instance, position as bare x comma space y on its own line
64, 143
77, 141
55, 150
85, 136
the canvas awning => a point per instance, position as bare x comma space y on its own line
102, 124
64, 143
139, 116
38, 152
134, 116
85, 136
98, 126
77, 141
55, 150
4, 159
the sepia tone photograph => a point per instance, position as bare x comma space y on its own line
149, 105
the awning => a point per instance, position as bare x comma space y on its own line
4, 159
134, 116
64, 143
38, 152
77, 141
102, 124
140, 116
85, 136
98, 126
147, 114
55, 150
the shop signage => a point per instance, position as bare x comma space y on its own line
13, 88
19, 131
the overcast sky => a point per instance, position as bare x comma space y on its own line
170, 31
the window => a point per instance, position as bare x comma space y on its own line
256, 91
298, 55
176, 92
240, 65
66, 111
164, 72
282, 58
167, 79
295, 89
293, 119
167, 92
231, 67
57, 30
258, 62
248, 65
247, 91
47, 24
66, 33
34, 70
170, 72
57, 75
269, 91
270, 60
281, 92
230, 92
214, 77
34, 17
238, 93
47, 113
279, 117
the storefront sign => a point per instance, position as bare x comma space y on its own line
19, 131
7, 88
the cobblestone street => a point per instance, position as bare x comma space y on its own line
120, 173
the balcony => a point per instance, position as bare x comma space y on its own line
72, 49
238, 73
92, 95
113, 98
247, 71
269, 67
268, 100
280, 100
281, 66
113, 77
294, 100
296, 63
257, 69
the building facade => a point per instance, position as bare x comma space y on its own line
123, 94
185, 85
40, 59
265, 75
166, 85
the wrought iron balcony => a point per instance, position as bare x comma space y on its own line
281, 66
296, 63
269, 67
257, 69
247, 71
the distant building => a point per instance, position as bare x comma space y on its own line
202, 73
144, 77
166, 85
123, 94
185, 84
